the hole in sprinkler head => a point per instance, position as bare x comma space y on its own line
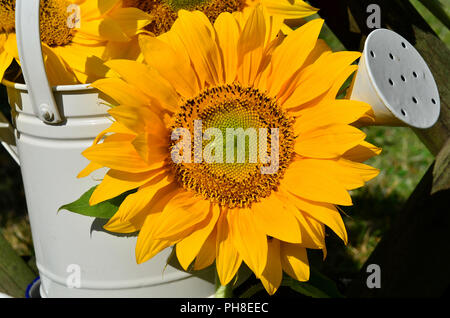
372, 54
404, 45
391, 56
403, 112
414, 100
403, 78
415, 74
433, 101
391, 82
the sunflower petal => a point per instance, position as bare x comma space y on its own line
275, 219
198, 37
146, 249
339, 111
313, 232
308, 179
289, 9
136, 203
294, 260
227, 36
122, 92
325, 213
115, 225
180, 214
146, 246
228, 259
5, 62
207, 253
139, 119
119, 155
131, 20
273, 273
250, 47
329, 141
147, 80
170, 64
249, 240
362, 152
91, 167
117, 182
292, 53
318, 78
95, 8
188, 248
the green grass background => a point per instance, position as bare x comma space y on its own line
402, 163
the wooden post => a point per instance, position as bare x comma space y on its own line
414, 255
15, 275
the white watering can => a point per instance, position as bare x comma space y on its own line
52, 126
396, 81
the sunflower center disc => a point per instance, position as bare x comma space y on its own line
229, 171
7, 21
54, 22
164, 12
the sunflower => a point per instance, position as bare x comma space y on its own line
7, 43
165, 12
77, 36
235, 73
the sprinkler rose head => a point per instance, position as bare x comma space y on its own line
396, 81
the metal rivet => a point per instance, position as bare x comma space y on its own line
45, 113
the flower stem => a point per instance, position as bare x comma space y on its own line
223, 291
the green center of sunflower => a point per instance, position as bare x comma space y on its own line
164, 12
54, 20
243, 121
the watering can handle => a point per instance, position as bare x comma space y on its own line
32, 62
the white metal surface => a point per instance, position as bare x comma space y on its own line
30, 54
71, 248
396, 81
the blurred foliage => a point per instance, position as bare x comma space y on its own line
438, 26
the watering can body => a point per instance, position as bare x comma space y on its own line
75, 256
51, 127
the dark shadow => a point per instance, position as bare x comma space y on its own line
97, 226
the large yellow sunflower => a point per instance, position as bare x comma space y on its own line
77, 36
235, 73
165, 12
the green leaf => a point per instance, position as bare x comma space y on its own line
318, 286
438, 10
103, 210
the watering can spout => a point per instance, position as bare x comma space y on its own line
395, 80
